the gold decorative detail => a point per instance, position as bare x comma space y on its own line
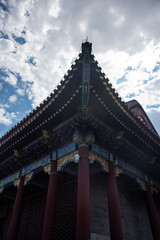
153, 189
142, 184
17, 182
47, 168
62, 161
90, 138
45, 134
1, 189
77, 138
28, 177
153, 160
94, 157
118, 171
119, 135
16, 153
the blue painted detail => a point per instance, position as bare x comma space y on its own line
119, 162
129, 168
66, 150
54, 155
9, 179
99, 151
38, 164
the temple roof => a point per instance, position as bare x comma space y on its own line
138, 110
84, 99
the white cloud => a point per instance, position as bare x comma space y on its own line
13, 98
20, 92
4, 106
5, 117
121, 33
11, 79
6, 45
54, 9
154, 115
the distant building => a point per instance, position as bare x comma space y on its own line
83, 165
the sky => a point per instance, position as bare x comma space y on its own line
40, 39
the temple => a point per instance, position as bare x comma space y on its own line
83, 165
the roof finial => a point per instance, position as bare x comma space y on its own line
86, 46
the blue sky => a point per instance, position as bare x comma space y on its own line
39, 39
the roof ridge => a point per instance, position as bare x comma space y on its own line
41, 106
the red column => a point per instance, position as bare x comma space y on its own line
83, 200
16, 214
50, 211
153, 217
113, 205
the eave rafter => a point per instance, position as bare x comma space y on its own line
39, 110
112, 103
71, 101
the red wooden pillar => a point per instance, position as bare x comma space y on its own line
16, 214
83, 200
50, 211
153, 217
113, 205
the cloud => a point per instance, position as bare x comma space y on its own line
154, 114
4, 106
11, 79
5, 117
20, 92
13, 98
6, 45
42, 37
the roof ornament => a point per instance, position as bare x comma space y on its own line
86, 72
86, 47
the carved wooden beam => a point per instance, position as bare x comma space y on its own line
17, 153
46, 134
119, 135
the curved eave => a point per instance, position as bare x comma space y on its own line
110, 99
134, 103
49, 114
